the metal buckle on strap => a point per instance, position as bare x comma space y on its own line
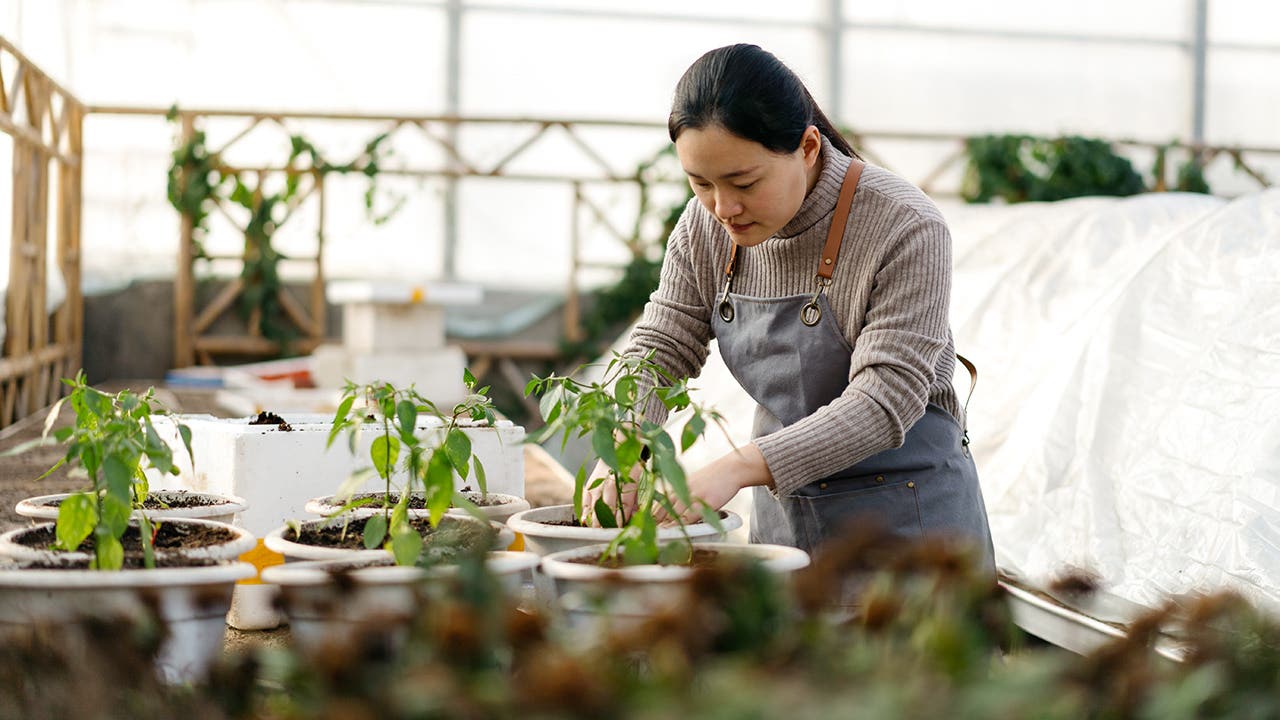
726, 306
811, 313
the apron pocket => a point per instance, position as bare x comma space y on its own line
823, 510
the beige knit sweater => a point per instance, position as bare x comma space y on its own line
890, 294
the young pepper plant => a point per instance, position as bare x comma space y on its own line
112, 442
397, 450
640, 454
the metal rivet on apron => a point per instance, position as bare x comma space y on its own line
879, 478
726, 311
822, 486
827, 261
911, 484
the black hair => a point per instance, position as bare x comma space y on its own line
750, 93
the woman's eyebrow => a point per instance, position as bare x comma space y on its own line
726, 176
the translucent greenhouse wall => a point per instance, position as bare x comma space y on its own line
1096, 67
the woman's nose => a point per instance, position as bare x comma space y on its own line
727, 206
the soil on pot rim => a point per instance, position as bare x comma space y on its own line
173, 499
270, 418
169, 536
574, 522
701, 559
418, 501
445, 540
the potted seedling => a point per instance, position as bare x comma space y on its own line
393, 438
429, 464
641, 458
107, 556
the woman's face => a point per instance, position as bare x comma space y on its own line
751, 190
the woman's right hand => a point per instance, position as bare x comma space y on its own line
607, 491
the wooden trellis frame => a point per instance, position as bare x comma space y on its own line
193, 344
45, 123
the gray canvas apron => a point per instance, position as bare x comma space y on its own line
790, 356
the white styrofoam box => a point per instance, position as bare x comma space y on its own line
399, 291
382, 327
437, 374
330, 365
276, 471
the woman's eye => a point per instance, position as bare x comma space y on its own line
747, 186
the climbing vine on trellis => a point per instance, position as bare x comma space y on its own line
199, 181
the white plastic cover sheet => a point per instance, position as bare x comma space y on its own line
1127, 416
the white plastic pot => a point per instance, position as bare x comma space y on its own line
192, 602
294, 551
372, 596
242, 542
507, 506
219, 508
594, 596
546, 539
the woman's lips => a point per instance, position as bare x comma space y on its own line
740, 228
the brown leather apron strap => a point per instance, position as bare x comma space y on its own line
811, 313
835, 235
973, 377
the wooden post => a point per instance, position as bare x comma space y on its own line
183, 279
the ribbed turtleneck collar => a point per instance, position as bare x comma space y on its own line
821, 200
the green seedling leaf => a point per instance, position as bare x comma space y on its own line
532, 386
119, 476
675, 553
157, 451
115, 515
468, 379
550, 403
407, 414
481, 481
184, 432
340, 419
406, 545
625, 391
579, 483
457, 447
629, 453
461, 501
384, 452
375, 531
712, 517
439, 486
77, 516
108, 552
353, 483
97, 403
664, 458
51, 418
29, 445
602, 444
604, 514
692, 431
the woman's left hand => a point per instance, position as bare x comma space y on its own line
718, 482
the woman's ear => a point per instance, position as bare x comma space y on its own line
811, 145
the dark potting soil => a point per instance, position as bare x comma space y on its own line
418, 501
350, 535
574, 522
701, 559
172, 499
270, 418
169, 536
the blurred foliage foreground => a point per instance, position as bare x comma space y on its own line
926, 639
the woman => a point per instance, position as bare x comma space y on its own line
841, 337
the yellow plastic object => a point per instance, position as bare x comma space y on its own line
260, 557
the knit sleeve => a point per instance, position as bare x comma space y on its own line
893, 365
676, 324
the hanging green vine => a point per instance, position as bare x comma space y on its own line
198, 181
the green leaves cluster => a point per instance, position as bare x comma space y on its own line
398, 451
199, 181
112, 442
640, 454
1026, 168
